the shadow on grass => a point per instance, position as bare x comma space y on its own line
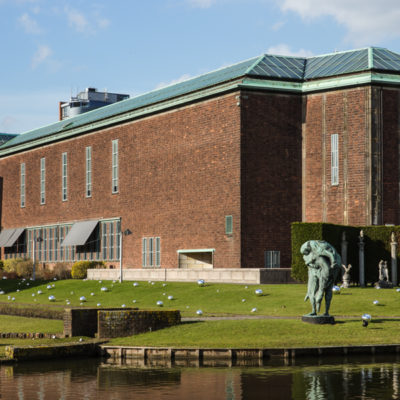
191, 322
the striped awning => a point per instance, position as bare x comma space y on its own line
9, 236
79, 233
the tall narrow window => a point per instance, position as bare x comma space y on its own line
115, 166
272, 259
23, 185
335, 159
158, 251
104, 231
51, 244
111, 234
42, 180
64, 179
151, 252
144, 252
118, 234
228, 224
88, 171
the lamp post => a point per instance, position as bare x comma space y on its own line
126, 232
38, 239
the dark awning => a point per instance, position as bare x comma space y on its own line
79, 233
9, 236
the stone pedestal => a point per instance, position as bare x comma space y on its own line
384, 284
318, 319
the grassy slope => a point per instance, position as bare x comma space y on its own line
267, 333
221, 299
213, 299
10, 323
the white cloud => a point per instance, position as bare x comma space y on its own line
201, 3
182, 78
43, 52
277, 26
367, 21
84, 24
76, 19
29, 24
284, 50
103, 23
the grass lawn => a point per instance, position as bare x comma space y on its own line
213, 299
216, 300
10, 323
267, 333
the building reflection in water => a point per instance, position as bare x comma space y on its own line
93, 379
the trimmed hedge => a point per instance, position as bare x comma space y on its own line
377, 246
31, 312
79, 269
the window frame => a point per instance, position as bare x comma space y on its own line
89, 171
115, 167
43, 180
64, 176
335, 159
22, 185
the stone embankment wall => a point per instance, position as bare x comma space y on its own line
132, 322
115, 322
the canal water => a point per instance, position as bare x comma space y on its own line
361, 378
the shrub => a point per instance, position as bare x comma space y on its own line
24, 268
10, 265
21, 267
1, 265
62, 271
79, 269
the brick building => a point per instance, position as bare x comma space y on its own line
210, 172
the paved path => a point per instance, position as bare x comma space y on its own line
242, 317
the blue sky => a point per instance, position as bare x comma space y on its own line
51, 49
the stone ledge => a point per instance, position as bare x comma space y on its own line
198, 354
215, 275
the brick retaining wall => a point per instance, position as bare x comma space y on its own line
119, 323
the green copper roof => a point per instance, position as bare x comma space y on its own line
274, 72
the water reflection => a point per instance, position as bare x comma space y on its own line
361, 378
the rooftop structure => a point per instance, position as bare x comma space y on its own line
88, 100
266, 72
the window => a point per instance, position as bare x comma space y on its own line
118, 239
23, 185
151, 252
158, 251
272, 259
64, 177
144, 252
42, 180
228, 225
104, 231
335, 159
115, 166
88, 171
111, 234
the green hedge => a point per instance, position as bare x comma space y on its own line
79, 269
31, 312
377, 246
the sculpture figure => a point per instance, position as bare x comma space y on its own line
324, 265
383, 271
346, 276
384, 281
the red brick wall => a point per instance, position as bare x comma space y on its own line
271, 175
342, 112
390, 160
179, 176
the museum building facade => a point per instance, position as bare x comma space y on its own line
210, 172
